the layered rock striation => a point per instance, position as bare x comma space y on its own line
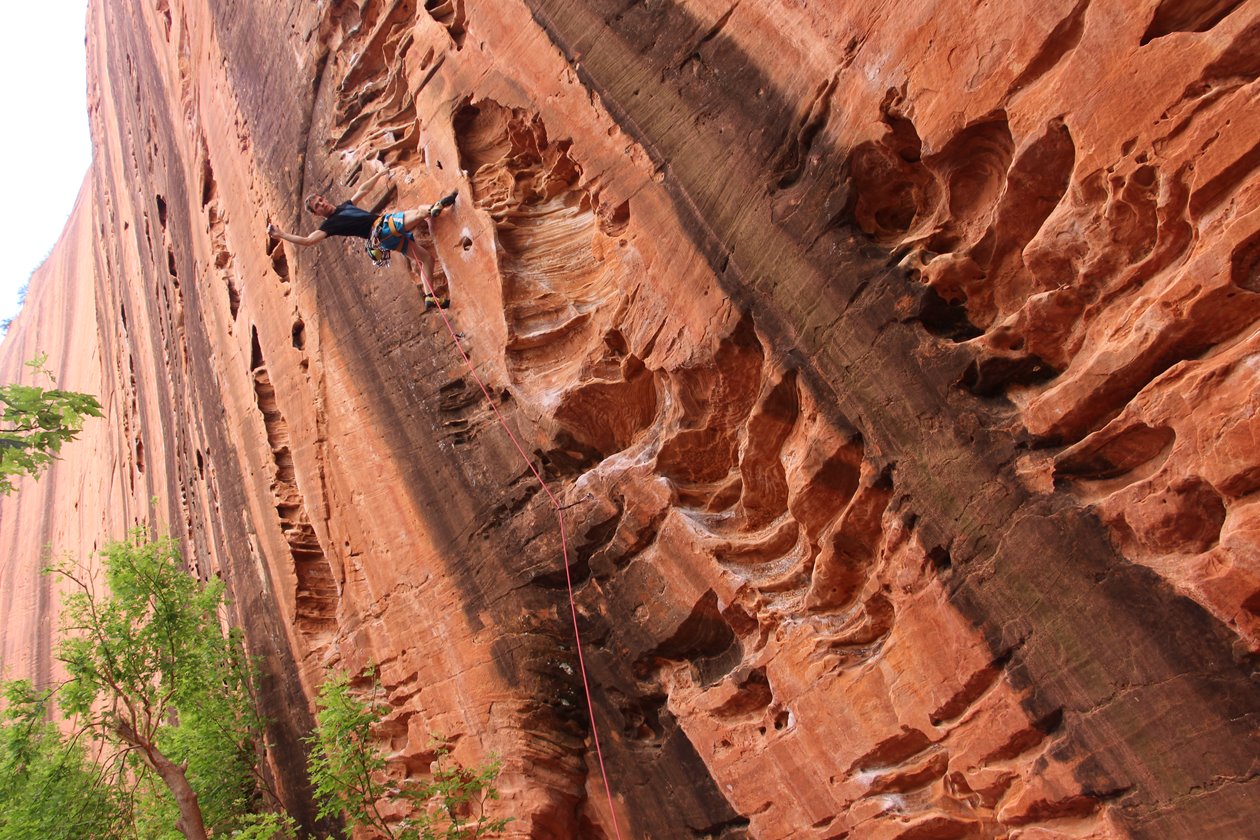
893, 366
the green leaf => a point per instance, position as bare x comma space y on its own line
35, 424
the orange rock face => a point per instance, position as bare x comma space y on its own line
893, 365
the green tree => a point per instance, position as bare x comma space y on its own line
35, 423
153, 673
348, 775
49, 788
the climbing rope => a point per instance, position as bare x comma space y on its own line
564, 541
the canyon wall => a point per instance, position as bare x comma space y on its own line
895, 367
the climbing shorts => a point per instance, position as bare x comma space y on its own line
388, 235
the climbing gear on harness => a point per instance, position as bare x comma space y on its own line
442, 203
431, 301
387, 235
378, 255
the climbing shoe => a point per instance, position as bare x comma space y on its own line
441, 204
431, 302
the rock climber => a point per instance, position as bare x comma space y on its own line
390, 231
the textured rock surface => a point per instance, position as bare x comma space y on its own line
896, 364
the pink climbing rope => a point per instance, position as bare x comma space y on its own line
564, 544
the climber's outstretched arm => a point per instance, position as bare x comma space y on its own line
310, 239
367, 185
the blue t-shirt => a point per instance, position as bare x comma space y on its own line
348, 220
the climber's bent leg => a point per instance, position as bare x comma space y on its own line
420, 254
421, 261
413, 218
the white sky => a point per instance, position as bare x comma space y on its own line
44, 145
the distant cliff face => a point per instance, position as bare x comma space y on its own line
895, 363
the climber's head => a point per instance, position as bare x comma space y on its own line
319, 205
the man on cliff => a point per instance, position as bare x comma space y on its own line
387, 232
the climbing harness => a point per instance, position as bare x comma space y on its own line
390, 227
564, 542
389, 234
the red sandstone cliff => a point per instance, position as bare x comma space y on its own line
898, 362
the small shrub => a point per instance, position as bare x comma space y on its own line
266, 827
48, 786
347, 772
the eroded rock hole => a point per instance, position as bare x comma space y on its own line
1244, 264
234, 299
1187, 16
894, 750
608, 416
974, 163
579, 571
1185, 518
208, 186
255, 350
614, 222
1037, 182
945, 319
299, 334
704, 639
765, 485
452, 15
752, 694
642, 718
1050, 723
164, 9
885, 202
993, 375
280, 263
1115, 454
891, 187
970, 692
